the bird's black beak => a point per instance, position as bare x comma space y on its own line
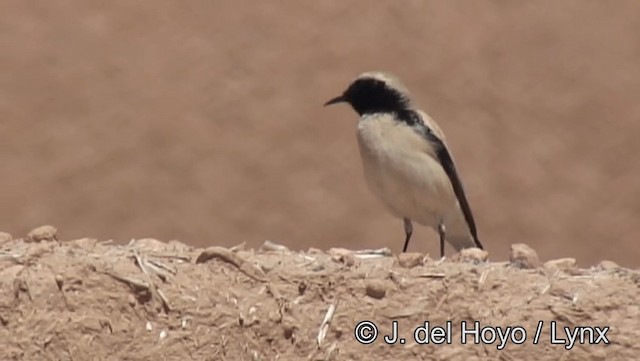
338, 99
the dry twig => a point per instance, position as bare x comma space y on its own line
432, 275
136, 284
372, 253
230, 257
326, 321
143, 264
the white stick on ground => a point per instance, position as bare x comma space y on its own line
324, 326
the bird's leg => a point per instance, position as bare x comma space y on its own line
441, 232
408, 230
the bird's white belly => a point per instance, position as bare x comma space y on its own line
406, 177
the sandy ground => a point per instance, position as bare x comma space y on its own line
149, 300
203, 122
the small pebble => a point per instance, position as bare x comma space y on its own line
5, 237
269, 246
410, 260
608, 265
562, 264
344, 256
43, 233
472, 255
376, 289
523, 256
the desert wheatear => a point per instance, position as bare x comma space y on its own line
406, 161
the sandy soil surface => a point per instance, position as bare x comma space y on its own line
203, 122
149, 300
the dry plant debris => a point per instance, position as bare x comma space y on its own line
89, 300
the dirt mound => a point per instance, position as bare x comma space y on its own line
89, 300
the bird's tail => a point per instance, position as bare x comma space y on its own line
458, 234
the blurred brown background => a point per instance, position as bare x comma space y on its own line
203, 121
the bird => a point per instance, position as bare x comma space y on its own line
406, 161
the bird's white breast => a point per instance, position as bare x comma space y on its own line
402, 169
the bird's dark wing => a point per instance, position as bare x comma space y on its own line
414, 119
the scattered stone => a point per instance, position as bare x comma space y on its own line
410, 260
607, 265
269, 246
348, 259
5, 237
523, 256
471, 255
43, 233
342, 255
376, 289
562, 264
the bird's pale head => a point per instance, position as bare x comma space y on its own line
375, 92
